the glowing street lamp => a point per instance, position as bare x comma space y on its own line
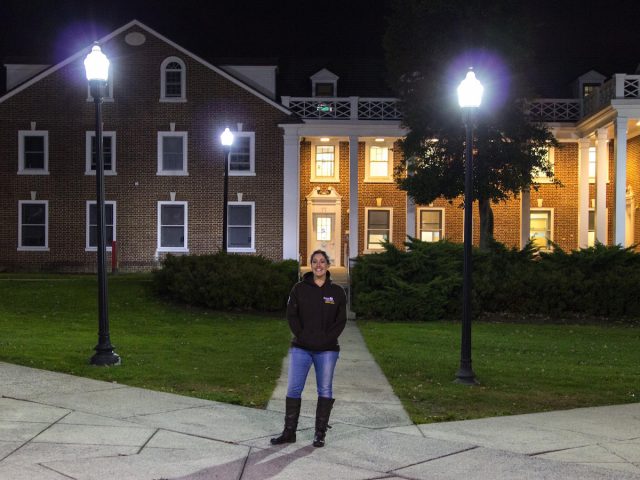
226, 139
469, 98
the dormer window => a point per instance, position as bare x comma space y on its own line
324, 84
588, 89
173, 80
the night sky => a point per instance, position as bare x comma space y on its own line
573, 37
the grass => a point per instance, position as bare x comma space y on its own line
522, 368
51, 322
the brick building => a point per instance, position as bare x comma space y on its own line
312, 168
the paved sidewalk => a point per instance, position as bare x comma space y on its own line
60, 427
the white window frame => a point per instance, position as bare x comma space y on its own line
252, 156
185, 156
163, 81
551, 226
252, 248
90, 135
335, 178
366, 228
541, 177
87, 246
45, 247
419, 223
21, 160
367, 168
185, 248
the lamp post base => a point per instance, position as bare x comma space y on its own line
105, 358
465, 376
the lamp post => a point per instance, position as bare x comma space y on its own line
469, 98
226, 138
97, 68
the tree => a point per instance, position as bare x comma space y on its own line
429, 45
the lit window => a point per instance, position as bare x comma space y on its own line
325, 160
379, 161
323, 228
431, 225
172, 153
92, 224
592, 164
241, 227
591, 240
33, 152
540, 229
242, 155
172, 226
173, 80
378, 228
108, 153
33, 225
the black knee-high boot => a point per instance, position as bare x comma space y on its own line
323, 411
292, 413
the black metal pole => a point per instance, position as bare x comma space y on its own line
225, 193
104, 350
465, 373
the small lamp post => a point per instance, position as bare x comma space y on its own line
226, 138
469, 98
97, 68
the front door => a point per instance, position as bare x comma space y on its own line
323, 235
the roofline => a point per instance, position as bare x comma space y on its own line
118, 31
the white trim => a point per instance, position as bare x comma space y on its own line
551, 226
388, 144
335, 178
21, 160
366, 228
419, 210
252, 156
87, 166
45, 247
252, 248
291, 194
87, 247
163, 81
185, 248
184, 171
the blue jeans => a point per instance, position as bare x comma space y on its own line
324, 363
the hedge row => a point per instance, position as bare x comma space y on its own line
227, 282
425, 282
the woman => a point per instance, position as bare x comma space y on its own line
317, 314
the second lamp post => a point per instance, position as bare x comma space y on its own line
469, 98
226, 138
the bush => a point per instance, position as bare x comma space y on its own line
227, 282
425, 281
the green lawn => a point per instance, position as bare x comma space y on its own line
53, 323
522, 368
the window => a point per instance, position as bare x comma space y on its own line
33, 225
431, 225
379, 162
33, 152
108, 153
591, 239
172, 153
324, 162
540, 176
541, 228
242, 155
173, 79
92, 224
241, 227
323, 228
378, 228
589, 89
324, 89
592, 164
172, 227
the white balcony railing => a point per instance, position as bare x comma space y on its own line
554, 110
343, 108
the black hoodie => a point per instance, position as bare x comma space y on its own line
316, 315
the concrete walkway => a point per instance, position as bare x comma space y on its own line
61, 427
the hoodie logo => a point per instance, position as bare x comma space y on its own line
329, 300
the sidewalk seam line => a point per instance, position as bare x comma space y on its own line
244, 465
432, 459
56, 471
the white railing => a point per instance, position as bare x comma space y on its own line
554, 110
343, 108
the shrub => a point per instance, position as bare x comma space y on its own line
226, 282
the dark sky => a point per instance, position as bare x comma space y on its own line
572, 36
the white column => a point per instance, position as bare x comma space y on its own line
291, 197
525, 217
602, 173
353, 197
583, 192
620, 149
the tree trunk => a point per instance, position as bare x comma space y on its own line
486, 223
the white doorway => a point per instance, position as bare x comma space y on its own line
324, 229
